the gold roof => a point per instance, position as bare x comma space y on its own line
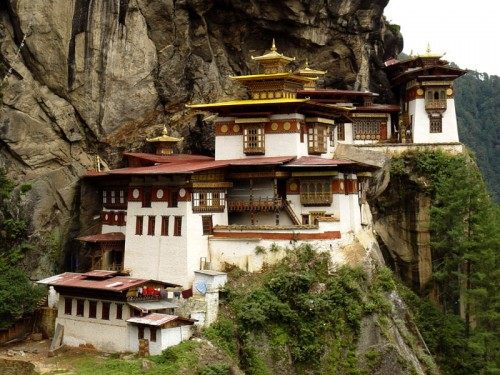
164, 137
306, 71
273, 55
248, 102
429, 54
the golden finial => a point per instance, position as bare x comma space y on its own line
306, 66
273, 46
164, 131
428, 50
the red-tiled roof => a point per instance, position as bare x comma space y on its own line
82, 281
306, 161
103, 237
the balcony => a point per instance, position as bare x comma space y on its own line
435, 104
316, 199
255, 204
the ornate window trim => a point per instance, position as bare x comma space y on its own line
209, 201
316, 192
317, 139
254, 139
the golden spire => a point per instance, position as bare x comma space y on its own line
273, 46
164, 137
428, 50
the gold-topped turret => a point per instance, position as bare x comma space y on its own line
313, 74
164, 143
273, 61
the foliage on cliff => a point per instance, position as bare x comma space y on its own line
18, 296
301, 316
477, 100
465, 241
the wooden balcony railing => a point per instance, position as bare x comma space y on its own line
435, 104
255, 204
316, 199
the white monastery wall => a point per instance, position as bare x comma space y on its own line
421, 124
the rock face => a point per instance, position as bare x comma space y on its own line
96, 76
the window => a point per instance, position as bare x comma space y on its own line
174, 198
152, 334
140, 334
151, 225
92, 309
68, 305
119, 311
305, 219
207, 224
316, 192
435, 99
164, 225
79, 307
317, 137
122, 196
138, 225
105, 311
340, 132
366, 129
178, 226
113, 200
253, 139
104, 197
436, 124
208, 201
146, 198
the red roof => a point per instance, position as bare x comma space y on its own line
188, 167
306, 161
83, 281
101, 273
103, 237
157, 319
379, 108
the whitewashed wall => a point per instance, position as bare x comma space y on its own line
421, 124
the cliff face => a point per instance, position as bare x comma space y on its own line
93, 76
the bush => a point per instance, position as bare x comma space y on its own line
216, 369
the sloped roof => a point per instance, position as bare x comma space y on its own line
157, 319
103, 237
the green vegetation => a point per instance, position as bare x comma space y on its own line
465, 241
18, 296
300, 314
477, 100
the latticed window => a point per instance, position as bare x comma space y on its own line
316, 192
253, 139
366, 129
436, 123
104, 196
206, 221
208, 201
317, 138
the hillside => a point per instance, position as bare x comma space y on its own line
478, 112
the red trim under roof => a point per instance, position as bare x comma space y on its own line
177, 158
103, 237
378, 108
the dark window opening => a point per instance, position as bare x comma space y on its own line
138, 225
152, 334
79, 307
207, 224
164, 225
68, 305
119, 311
92, 309
178, 226
146, 198
141, 333
105, 311
174, 198
151, 225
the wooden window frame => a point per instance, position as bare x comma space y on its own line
178, 226
92, 309
435, 124
119, 311
366, 129
254, 139
341, 132
208, 201
152, 334
164, 225
104, 197
316, 192
151, 225
139, 224
317, 139
207, 224
80, 307
105, 310
68, 306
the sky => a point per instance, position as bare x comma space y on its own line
468, 31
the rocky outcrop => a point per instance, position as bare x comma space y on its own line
94, 77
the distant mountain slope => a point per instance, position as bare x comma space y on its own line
478, 112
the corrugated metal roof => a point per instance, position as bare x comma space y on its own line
153, 305
100, 273
114, 283
317, 161
157, 319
